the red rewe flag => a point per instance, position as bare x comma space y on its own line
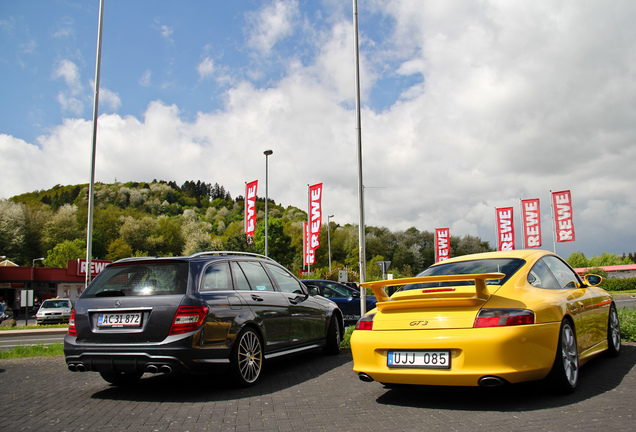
250, 209
309, 255
531, 217
564, 225
442, 244
505, 229
315, 216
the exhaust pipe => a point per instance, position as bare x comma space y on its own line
364, 377
165, 369
492, 381
152, 369
76, 367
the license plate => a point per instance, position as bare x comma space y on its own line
419, 359
131, 319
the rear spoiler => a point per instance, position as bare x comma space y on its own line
422, 297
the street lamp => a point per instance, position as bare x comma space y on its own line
329, 240
37, 259
266, 153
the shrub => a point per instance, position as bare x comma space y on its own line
347, 337
615, 285
627, 319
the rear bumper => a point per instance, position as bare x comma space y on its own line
179, 355
514, 354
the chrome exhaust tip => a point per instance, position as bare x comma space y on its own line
72, 367
152, 369
364, 377
492, 381
165, 369
80, 367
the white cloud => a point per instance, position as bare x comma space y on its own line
271, 24
145, 78
206, 68
69, 72
506, 101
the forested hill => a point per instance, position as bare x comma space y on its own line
162, 218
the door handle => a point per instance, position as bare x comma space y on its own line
256, 298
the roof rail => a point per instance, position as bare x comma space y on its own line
229, 253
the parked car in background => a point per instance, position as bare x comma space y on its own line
487, 320
5, 312
346, 297
204, 312
54, 311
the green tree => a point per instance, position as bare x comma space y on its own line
119, 249
578, 260
278, 243
61, 226
62, 252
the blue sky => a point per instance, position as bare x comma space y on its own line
466, 106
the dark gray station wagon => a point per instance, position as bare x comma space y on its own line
196, 314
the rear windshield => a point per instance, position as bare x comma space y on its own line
507, 266
140, 279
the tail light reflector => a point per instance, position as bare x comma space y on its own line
365, 322
72, 330
503, 317
188, 318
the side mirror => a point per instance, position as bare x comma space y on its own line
313, 290
355, 294
593, 280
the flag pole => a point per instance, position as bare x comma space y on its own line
361, 233
91, 192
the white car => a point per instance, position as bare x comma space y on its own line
54, 311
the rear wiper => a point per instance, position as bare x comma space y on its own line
114, 293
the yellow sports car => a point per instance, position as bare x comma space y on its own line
486, 320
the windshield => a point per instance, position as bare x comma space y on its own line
507, 266
55, 304
140, 279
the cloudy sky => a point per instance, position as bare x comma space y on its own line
466, 106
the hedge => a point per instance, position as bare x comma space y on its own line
628, 284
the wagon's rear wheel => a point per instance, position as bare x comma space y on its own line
247, 358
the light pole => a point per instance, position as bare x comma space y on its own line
329, 239
26, 301
267, 153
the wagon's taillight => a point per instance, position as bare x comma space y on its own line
72, 330
503, 317
365, 322
188, 318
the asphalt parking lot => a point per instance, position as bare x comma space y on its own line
309, 392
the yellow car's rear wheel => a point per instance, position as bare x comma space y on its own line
564, 376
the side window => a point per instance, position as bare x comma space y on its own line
256, 276
286, 282
240, 281
566, 277
216, 278
334, 290
540, 276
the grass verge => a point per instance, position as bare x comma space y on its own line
40, 350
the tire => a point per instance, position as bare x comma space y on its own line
613, 333
332, 346
121, 378
247, 358
564, 375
